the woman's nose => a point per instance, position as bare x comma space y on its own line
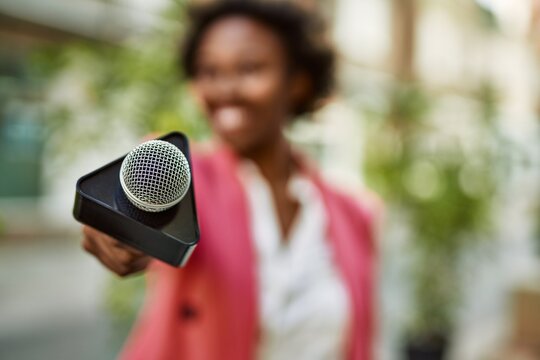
227, 86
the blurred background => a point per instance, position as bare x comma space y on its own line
437, 111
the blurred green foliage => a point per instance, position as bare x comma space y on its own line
137, 86
537, 232
124, 297
2, 227
443, 189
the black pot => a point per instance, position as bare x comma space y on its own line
429, 347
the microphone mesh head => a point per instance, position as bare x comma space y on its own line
155, 176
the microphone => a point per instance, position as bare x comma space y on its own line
145, 199
155, 176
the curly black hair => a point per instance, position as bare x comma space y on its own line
301, 33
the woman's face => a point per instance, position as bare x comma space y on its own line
241, 79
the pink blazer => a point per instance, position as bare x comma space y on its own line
208, 309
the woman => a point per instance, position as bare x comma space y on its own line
285, 264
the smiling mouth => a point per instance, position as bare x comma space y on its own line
230, 118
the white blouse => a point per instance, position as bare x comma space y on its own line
303, 302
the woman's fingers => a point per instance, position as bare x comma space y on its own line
98, 247
119, 258
140, 264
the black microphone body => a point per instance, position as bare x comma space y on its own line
170, 235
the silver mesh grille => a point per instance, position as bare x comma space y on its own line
155, 176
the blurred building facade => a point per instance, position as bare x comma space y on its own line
27, 27
452, 49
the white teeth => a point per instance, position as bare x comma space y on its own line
229, 118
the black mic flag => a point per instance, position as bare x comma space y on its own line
170, 233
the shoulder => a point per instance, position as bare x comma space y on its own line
358, 209
356, 204
360, 201
202, 155
205, 160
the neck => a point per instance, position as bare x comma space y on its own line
274, 160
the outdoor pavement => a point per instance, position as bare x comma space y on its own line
51, 302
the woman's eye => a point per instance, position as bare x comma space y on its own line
207, 72
250, 68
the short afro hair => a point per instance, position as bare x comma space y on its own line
301, 33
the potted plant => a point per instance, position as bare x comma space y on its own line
443, 193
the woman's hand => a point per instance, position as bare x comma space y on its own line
116, 256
